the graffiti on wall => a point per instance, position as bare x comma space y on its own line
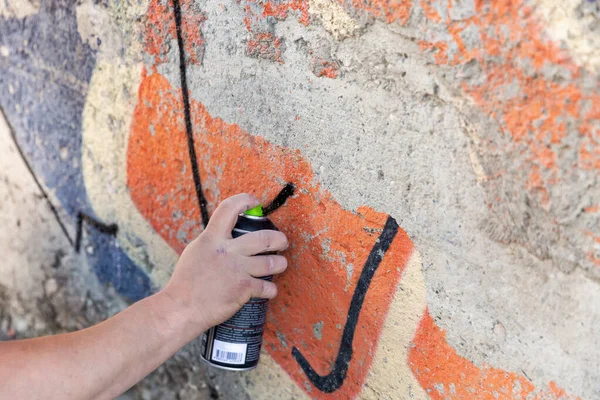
52, 126
180, 161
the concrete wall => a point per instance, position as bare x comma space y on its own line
445, 156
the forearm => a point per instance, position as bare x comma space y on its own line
98, 362
215, 275
146, 335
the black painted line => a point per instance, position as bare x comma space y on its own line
109, 229
334, 380
187, 115
280, 199
35, 179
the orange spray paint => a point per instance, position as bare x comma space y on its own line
324, 237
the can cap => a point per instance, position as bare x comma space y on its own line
256, 211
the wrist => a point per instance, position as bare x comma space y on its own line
177, 320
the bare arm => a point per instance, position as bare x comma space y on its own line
99, 362
213, 278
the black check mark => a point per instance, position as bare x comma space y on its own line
334, 380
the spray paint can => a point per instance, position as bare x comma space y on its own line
235, 344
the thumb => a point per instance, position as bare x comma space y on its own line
225, 216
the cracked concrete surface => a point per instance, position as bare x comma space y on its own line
483, 154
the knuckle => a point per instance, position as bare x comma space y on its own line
227, 203
265, 288
269, 289
237, 267
243, 198
244, 283
244, 290
277, 264
248, 197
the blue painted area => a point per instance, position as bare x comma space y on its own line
117, 268
43, 87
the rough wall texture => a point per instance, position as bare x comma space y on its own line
446, 159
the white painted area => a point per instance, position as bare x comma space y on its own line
572, 27
334, 17
390, 376
92, 20
18, 8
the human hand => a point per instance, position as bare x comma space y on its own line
216, 274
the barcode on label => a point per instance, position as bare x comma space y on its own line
229, 356
231, 353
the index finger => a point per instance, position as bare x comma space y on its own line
225, 216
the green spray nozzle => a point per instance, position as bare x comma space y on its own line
256, 211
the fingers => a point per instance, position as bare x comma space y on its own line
264, 265
258, 242
224, 218
262, 289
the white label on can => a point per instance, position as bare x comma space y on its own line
231, 353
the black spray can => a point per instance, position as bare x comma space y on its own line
235, 344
